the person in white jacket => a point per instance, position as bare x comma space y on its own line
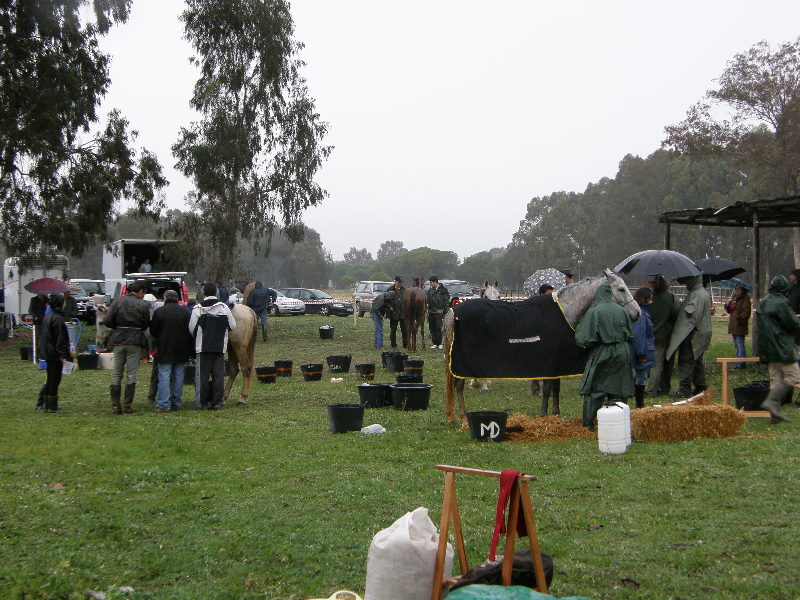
209, 324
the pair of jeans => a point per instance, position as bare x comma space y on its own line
640, 376
738, 343
126, 358
377, 320
170, 385
262, 316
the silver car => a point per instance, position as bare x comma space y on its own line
365, 293
284, 305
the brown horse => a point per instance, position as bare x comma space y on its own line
415, 305
241, 349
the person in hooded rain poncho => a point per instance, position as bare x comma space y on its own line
606, 330
777, 327
690, 338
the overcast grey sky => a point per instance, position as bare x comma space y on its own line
447, 117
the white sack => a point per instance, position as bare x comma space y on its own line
402, 558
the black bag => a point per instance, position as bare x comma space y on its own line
522, 573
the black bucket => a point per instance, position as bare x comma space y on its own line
312, 372
87, 361
750, 396
26, 352
411, 396
366, 371
339, 363
266, 374
384, 356
413, 368
409, 379
345, 417
394, 361
284, 368
487, 425
188, 374
375, 395
4, 333
326, 332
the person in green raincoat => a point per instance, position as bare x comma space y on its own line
606, 330
690, 337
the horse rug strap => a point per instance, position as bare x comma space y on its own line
493, 339
507, 479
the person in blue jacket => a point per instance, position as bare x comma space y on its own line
643, 346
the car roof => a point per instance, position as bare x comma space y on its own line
374, 281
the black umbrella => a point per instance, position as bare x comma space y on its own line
719, 268
658, 262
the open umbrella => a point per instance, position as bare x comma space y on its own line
733, 282
658, 262
719, 268
550, 276
47, 285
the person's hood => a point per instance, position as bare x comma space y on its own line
796, 273
779, 285
259, 285
56, 302
691, 283
603, 294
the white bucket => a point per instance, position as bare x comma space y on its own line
105, 360
611, 436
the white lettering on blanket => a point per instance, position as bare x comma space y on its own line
526, 340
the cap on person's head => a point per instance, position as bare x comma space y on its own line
398, 278
56, 301
433, 278
170, 296
209, 289
566, 272
136, 287
544, 287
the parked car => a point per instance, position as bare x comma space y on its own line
318, 302
84, 291
284, 305
158, 283
365, 293
459, 290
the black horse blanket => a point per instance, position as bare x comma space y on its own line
493, 339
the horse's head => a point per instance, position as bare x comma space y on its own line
490, 292
622, 295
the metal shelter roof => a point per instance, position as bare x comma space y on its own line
777, 212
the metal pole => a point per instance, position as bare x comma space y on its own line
667, 239
756, 261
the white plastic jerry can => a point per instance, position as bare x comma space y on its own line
627, 409
611, 429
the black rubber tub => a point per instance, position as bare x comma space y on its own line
413, 368
487, 425
409, 379
284, 368
411, 396
345, 417
326, 332
375, 395
339, 363
265, 374
365, 371
312, 372
87, 361
394, 361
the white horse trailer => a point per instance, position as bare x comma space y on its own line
19, 271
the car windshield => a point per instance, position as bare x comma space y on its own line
322, 295
279, 293
381, 287
157, 287
90, 288
459, 289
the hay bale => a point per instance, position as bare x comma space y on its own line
673, 423
522, 428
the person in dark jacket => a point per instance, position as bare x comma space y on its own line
380, 306
260, 299
37, 307
643, 346
777, 327
210, 323
173, 343
663, 311
739, 309
129, 317
606, 330
395, 312
794, 290
70, 306
438, 303
223, 293
54, 349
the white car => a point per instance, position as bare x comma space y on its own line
287, 306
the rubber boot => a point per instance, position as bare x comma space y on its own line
52, 405
116, 391
127, 403
773, 404
638, 391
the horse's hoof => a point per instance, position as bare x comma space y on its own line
241, 403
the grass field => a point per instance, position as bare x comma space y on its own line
263, 502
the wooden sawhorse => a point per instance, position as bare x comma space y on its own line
724, 362
519, 493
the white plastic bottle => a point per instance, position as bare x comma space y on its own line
627, 409
611, 429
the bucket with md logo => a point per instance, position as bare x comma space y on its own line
487, 425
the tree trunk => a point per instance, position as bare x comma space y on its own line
796, 238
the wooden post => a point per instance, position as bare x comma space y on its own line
668, 237
756, 261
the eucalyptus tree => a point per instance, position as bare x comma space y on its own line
254, 154
62, 172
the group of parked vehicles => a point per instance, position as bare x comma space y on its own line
366, 292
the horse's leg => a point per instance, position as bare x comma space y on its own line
556, 394
245, 362
545, 397
473, 384
233, 371
461, 411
